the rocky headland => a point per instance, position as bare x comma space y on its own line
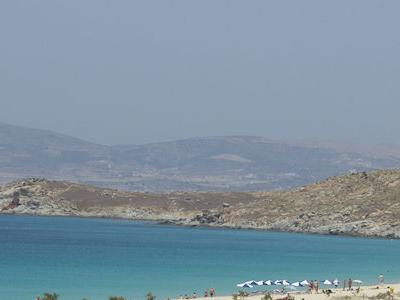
358, 204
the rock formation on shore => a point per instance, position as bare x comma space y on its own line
359, 204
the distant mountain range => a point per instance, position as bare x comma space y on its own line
228, 163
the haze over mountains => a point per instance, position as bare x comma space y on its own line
230, 163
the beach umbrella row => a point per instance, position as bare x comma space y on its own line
252, 283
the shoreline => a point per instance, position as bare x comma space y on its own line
337, 206
197, 278
165, 222
366, 291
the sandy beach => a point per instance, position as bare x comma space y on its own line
366, 292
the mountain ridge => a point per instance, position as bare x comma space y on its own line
219, 163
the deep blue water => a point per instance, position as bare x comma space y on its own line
95, 258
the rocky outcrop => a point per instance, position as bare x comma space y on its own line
14, 202
208, 218
359, 204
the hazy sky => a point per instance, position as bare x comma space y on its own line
141, 71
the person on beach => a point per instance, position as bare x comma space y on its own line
344, 284
206, 293
212, 292
194, 295
311, 286
316, 286
350, 284
380, 279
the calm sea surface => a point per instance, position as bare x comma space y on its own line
96, 258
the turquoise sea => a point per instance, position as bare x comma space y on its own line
96, 258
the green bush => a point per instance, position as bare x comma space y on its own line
267, 297
149, 296
48, 296
243, 294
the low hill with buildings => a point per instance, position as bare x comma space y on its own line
227, 163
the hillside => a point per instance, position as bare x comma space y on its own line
232, 163
364, 204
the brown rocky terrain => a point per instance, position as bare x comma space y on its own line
362, 204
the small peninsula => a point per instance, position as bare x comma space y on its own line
357, 204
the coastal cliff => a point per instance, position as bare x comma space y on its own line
359, 204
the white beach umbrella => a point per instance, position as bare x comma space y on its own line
336, 282
327, 282
267, 282
304, 283
244, 285
296, 283
251, 282
359, 282
278, 282
261, 282
285, 282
